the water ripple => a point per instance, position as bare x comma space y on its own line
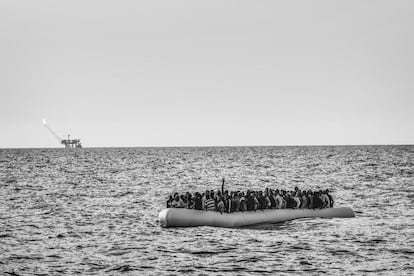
94, 211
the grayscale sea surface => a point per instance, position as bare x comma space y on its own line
95, 211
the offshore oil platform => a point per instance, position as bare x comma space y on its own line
69, 143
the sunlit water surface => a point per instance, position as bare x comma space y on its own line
95, 211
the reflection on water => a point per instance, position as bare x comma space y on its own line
94, 211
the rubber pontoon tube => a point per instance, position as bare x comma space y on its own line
178, 217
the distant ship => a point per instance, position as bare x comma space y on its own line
69, 143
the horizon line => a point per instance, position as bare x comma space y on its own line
217, 146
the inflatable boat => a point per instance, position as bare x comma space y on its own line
178, 217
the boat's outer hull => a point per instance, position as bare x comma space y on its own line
177, 217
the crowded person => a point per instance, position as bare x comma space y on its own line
210, 205
237, 201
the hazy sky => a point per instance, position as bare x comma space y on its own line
185, 73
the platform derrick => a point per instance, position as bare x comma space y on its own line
68, 143
71, 143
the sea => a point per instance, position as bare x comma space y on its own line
94, 211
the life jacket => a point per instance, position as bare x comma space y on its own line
176, 204
210, 205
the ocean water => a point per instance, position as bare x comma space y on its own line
95, 211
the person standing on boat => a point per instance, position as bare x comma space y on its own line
317, 202
331, 200
226, 201
325, 199
243, 202
210, 205
256, 201
197, 203
203, 199
235, 202
297, 197
278, 200
290, 201
169, 201
220, 205
213, 195
271, 199
310, 199
188, 200
304, 204
261, 202
250, 202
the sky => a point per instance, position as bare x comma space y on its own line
206, 73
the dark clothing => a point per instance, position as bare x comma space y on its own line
189, 203
317, 202
290, 203
226, 205
243, 205
262, 202
198, 205
233, 207
250, 203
